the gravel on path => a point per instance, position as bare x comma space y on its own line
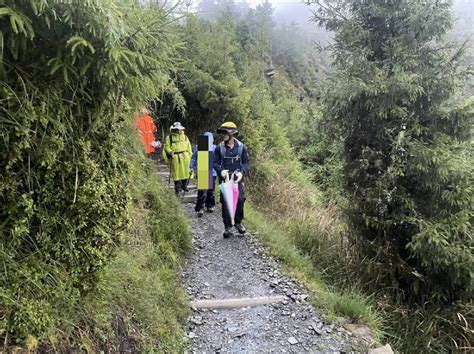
238, 267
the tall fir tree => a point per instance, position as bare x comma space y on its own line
407, 168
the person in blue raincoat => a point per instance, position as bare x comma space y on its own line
231, 158
205, 197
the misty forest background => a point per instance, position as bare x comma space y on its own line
361, 146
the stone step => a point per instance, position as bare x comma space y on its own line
188, 198
190, 185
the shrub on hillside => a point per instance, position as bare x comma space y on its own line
64, 69
407, 172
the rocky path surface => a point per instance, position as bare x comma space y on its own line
237, 267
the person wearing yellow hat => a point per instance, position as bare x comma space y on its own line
231, 158
177, 152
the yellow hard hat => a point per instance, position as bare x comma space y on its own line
228, 127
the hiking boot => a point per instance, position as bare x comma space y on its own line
200, 213
240, 228
210, 209
227, 232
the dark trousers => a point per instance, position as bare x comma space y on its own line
206, 197
155, 155
180, 186
239, 213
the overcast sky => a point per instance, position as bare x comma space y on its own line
288, 10
295, 10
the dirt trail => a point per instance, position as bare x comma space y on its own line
237, 267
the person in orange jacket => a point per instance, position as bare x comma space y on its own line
146, 129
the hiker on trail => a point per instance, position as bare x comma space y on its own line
231, 160
146, 130
205, 197
177, 153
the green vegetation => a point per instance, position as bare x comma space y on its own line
407, 164
363, 164
139, 303
69, 72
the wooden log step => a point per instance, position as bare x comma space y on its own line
235, 303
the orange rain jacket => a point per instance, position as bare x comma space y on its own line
146, 129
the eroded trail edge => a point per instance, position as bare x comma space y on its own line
237, 269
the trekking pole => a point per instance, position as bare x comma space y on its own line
169, 175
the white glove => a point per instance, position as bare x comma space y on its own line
238, 176
225, 174
156, 144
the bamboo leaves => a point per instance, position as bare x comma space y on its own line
76, 42
20, 24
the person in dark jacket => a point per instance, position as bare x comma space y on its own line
204, 197
231, 159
